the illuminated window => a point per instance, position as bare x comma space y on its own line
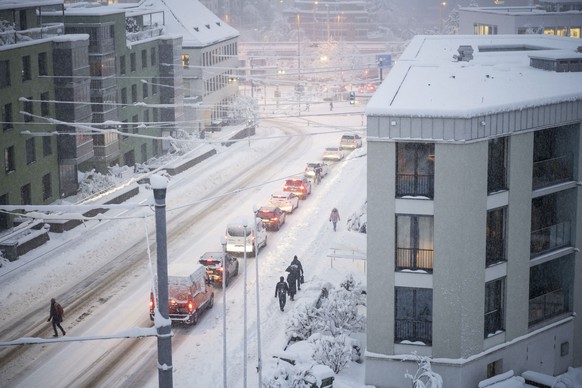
561, 31
185, 60
575, 32
549, 31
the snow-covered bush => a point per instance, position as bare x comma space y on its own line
7, 32
424, 377
358, 220
131, 25
340, 311
303, 323
334, 352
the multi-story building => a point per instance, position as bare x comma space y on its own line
551, 17
209, 59
136, 90
44, 86
475, 218
325, 20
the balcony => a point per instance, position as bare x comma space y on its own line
147, 33
414, 259
13, 36
552, 171
413, 331
550, 238
415, 185
547, 306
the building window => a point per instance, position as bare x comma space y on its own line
575, 32
42, 64
550, 223
144, 153
550, 289
154, 86
7, 123
124, 129
9, 160
28, 109
47, 146
134, 93
153, 56
144, 58
497, 165
414, 242
44, 104
552, 159
413, 315
129, 158
26, 75
30, 151
494, 307
132, 62
25, 195
124, 96
144, 89
4, 74
415, 169
484, 29
122, 69
134, 126
495, 237
46, 187
185, 60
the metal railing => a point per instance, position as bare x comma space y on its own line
547, 306
411, 330
552, 171
47, 30
550, 238
414, 259
415, 185
147, 33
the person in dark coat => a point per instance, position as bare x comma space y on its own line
291, 283
299, 274
281, 291
56, 315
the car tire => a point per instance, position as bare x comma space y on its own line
194, 318
265, 243
211, 302
236, 271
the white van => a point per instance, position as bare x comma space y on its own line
235, 232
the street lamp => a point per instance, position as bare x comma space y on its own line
224, 379
443, 5
259, 361
245, 226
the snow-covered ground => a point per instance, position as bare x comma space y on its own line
197, 350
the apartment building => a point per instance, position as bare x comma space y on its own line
551, 17
44, 82
475, 223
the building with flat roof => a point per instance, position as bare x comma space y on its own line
475, 207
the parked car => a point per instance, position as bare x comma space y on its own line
333, 153
272, 216
310, 169
213, 263
235, 236
284, 200
300, 187
350, 141
190, 292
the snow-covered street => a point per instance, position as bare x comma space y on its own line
233, 181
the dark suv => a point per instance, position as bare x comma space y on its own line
300, 187
272, 216
213, 263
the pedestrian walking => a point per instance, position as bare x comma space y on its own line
56, 315
299, 273
334, 217
281, 290
292, 285
331, 105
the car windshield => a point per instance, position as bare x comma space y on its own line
312, 165
266, 213
278, 197
331, 149
348, 137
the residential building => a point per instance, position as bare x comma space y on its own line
551, 17
44, 86
474, 184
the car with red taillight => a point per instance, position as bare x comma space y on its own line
300, 187
190, 292
256, 237
213, 261
273, 217
284, 200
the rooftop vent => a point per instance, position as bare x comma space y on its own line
465, 53
559, 61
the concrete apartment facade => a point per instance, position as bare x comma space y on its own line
475, 209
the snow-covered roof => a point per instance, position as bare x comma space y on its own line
196, 23
19, 4
427, 81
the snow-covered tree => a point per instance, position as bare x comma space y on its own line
424, 377
7, 32
334, 352
131, 25
304, 322
340, 310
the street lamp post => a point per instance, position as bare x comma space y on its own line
259, 360
245, 226
224, 377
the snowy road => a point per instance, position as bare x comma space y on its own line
103, 278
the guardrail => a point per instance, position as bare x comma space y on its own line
338, 253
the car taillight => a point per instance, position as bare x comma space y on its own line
274, 219
301, 187
220, 269
285, 187
152, 301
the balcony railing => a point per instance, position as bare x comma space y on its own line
550, 238
147, 33
409, 330
15, 36
414, 259
552, 171
494, 251
415, 185
547, 306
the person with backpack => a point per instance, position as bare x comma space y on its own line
281, 290
291, 285
298, 271
56, 315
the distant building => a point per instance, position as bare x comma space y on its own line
44, 77
475, 218
559, 17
